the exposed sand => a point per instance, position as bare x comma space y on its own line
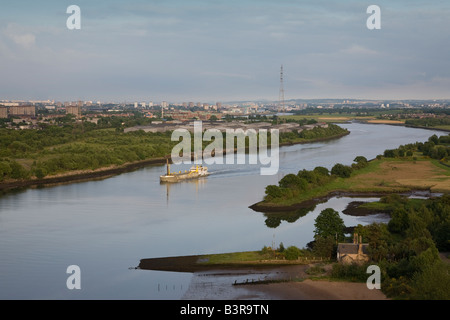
385, 121
317, 290
218, 284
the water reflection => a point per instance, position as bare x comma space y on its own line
274, 219
197, 183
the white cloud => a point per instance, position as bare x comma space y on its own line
20, 36
357, 49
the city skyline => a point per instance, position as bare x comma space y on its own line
224, 51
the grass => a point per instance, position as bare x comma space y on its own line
385, 206
251, 258
233, 257
329, 117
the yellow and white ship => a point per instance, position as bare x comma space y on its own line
195, 172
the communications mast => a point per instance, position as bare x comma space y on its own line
281, 95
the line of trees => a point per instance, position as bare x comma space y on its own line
429, 122
292, 185
435, 147
312, 134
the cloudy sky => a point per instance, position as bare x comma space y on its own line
222, 50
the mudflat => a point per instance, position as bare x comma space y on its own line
317, 290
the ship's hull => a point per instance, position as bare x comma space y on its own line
181, 177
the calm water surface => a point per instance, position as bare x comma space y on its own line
106, 226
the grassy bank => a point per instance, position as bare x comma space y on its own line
381, 176
413, 167
265, 258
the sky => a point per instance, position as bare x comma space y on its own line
223, 50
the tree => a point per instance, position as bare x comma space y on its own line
329, 223
292, 253
360, 159
325, 247
399, 221
274, 191
433, 283
290, 181
361, 162
322, 171
341, 170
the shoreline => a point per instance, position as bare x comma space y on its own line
106, 172
317, 290
263, 282
80, 176
262, 207
401, 125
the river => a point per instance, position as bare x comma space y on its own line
106, 226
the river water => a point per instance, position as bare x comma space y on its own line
106, 226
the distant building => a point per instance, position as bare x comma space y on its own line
3, 112
22, 111
11, 104
75, 110
353, 253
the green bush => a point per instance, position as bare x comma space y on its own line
341, 170
292, 253
433, 283
352, 272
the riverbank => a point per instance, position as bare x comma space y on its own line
380, 177
80, 175
279, 280
402, 124
105, 172
226, 261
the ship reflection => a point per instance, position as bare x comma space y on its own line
198, 183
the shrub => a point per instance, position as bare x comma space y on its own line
292, 253
341, 170
351, 272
